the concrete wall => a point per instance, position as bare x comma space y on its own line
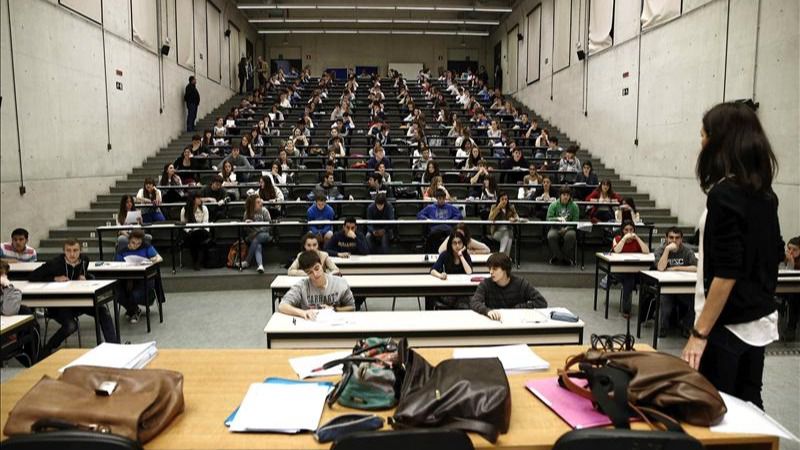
681, 75
321, 52
60, 110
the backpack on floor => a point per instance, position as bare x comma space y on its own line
236, 254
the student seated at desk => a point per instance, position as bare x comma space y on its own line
214, 194
150, 197
562, 239
441, 210
17, 250
10, 299
318, 290
71, 265
348, 241
378, 236
257, 236
197, 239
502, 290
502, 210
674, 256
455, 260
321, 210
627, 211
474, 246
628, 242
132, 293
311, 243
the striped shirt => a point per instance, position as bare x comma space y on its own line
7, 252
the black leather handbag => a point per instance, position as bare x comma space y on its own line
464, 394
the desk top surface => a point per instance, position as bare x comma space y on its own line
626, 257
391, 321
65, 287
211, 395
107, 266
8, 323
398, 260
678, 277
389, 281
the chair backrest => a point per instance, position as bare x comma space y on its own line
618, 439
417, 439
70, 440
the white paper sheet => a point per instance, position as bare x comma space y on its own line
133, 217
304, 366
130, 356
515, 358
328, 316
280, 408
745, 417
56, 285
136, 260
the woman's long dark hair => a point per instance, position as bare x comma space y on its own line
268, 191
123, 208
737, 148
189, 207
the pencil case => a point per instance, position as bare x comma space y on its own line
341, 426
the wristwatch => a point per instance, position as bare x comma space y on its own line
698, 334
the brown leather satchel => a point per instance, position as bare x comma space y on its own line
465, 394
644, 381
144, 402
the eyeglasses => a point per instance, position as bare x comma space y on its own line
612, 343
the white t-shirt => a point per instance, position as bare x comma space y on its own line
757, 333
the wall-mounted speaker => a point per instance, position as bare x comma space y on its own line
581, 55
228, 32
520, 36
165, 49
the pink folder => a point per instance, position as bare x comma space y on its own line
577, 411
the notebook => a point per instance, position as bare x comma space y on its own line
275, 380
280, 408
118, 356
515, 358
577, 411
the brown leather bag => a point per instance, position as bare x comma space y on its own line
465, 394
655, 381
144, 402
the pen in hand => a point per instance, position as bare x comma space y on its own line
294, 321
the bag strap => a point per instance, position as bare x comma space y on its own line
485, 429
604, 382
647, 413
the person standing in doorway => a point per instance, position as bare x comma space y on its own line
192, 99
242, 73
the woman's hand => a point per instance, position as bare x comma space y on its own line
494, 315
693, 351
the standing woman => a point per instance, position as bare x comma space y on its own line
257, 236
740, 249
198, 239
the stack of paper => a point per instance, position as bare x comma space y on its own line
745, 417
137, 260
281, 408
117, 356
305, 366
515, 358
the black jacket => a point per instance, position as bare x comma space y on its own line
742, 241
58, 266
192, 96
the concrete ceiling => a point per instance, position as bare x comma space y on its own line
344, 15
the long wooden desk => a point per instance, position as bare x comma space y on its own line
425, 329
211, 395
10, 323
89, 293
672, 282
397, 264
9, 327
389, 285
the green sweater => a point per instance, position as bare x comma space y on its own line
569, 211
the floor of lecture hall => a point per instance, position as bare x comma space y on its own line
236, 319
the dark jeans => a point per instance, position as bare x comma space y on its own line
66, 318
132, 293
628, 281
733, 366
241, 83
379, 245
669, 302
191, 116
198, 241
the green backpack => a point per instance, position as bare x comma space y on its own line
371, 375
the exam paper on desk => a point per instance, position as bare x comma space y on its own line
281, 408
304, 366
745, 417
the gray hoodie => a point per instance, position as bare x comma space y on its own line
10, 298
305, 295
